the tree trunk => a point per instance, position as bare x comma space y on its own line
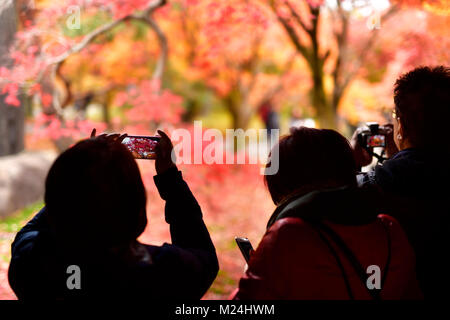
326, 116
239, 109
12, 119
326, 113
241, 118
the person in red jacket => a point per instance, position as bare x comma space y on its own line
325, 239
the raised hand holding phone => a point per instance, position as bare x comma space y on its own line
145, 147
163, 152
111, 137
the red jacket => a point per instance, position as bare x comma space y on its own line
293, 262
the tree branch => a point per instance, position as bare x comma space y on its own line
253, 67
291, 33
341, 39
297, 17
392, 10
342, 83
162, 39
275, 89
144, 16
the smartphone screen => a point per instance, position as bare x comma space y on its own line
245, 246
377, 140
142, 147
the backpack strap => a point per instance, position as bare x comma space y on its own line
388, 260
322, 228
338, 261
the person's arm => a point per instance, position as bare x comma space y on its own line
192, 249
26, 236
21, 248
196, 258
182, 212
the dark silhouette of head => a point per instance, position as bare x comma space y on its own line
422, 107
95, 196
311, 159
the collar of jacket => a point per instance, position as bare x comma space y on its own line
344, 205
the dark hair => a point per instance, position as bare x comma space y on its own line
95, 195
422, 103
311, 158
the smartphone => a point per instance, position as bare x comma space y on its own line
142, 147
245, 246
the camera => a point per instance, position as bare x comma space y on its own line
374, 136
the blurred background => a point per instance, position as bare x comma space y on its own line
137, 65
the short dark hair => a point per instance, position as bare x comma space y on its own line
318, 158
422, 103
95, 195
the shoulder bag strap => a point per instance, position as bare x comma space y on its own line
375, 294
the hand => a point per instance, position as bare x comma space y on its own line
163, 150
246, 265
391, 147
362, 157
110, 138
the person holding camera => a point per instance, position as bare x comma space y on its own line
83, 243
323, 241
412, 185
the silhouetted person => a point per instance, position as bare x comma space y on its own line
324, 234
413, 183
269, 116
95, 209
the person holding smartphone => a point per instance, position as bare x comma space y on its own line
82, 244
